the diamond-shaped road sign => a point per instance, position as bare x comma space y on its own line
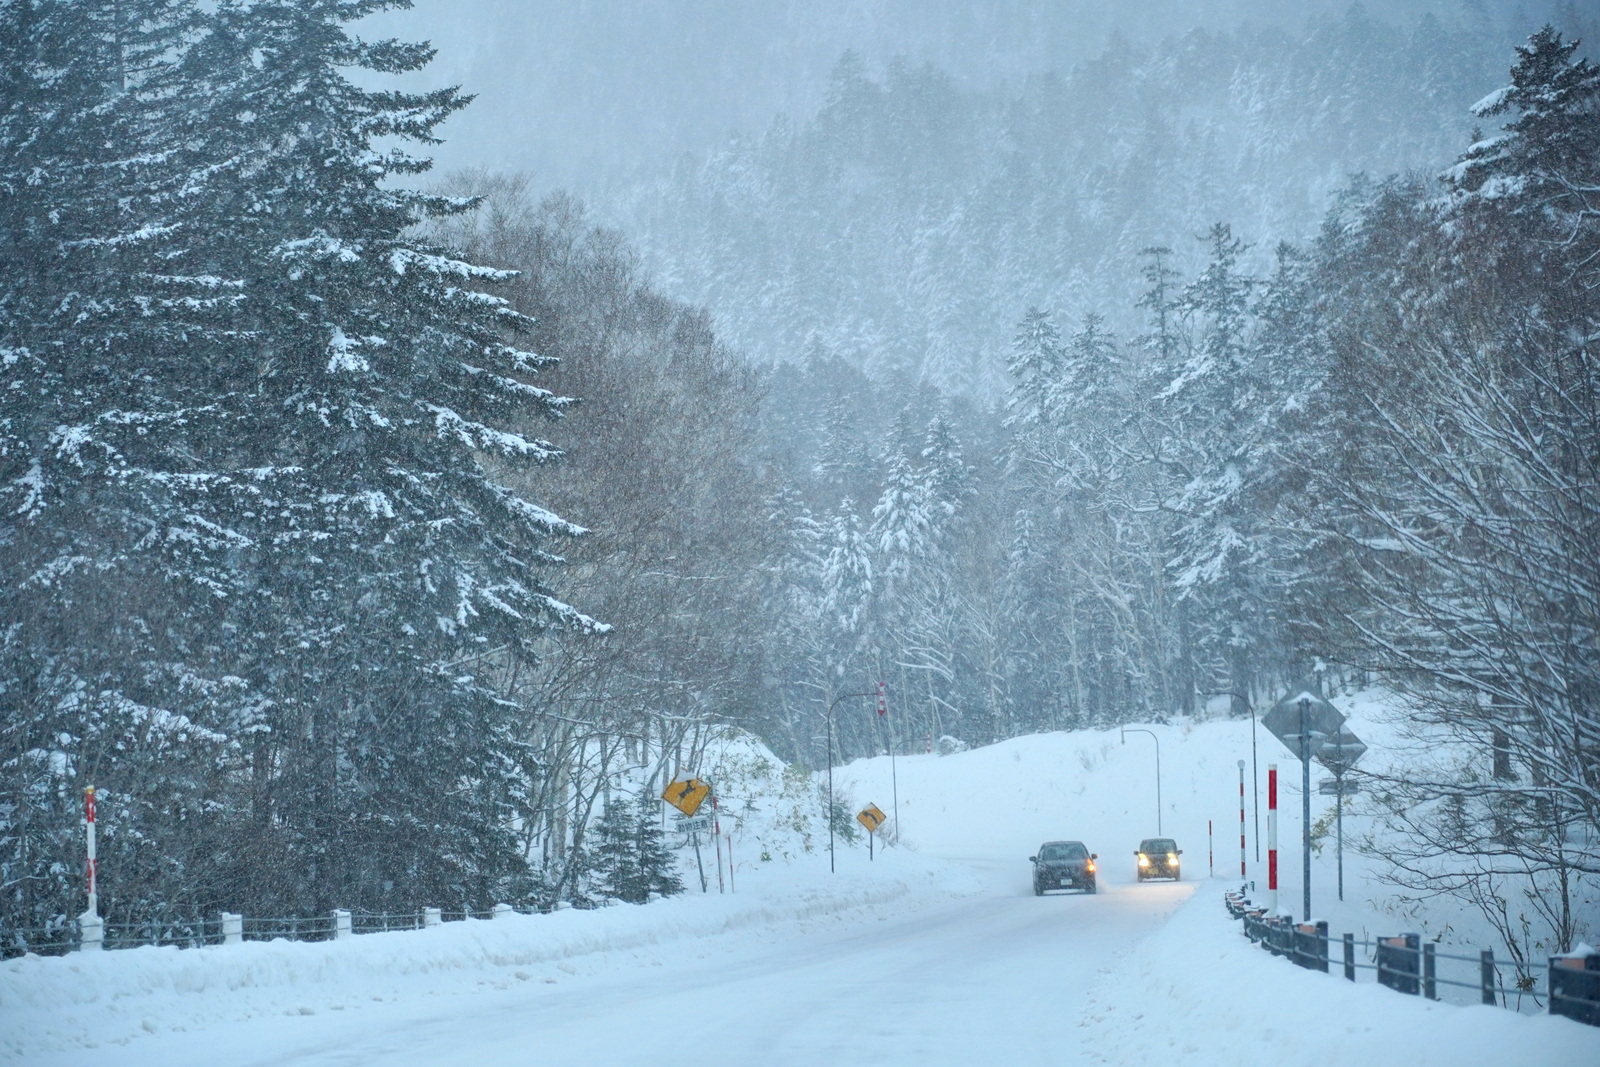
1322, 720
686, 794
1342, 751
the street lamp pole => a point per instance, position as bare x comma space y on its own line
835, 704
1126, 730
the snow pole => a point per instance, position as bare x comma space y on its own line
1272, 839
91, 929
91, 869
894, 775
1241, 824
716, 834
1211, 855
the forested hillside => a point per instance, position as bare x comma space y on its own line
916, 215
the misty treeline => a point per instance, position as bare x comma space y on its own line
910, 220
312, 567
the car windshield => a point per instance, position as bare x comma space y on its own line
1159, 844
1071, 850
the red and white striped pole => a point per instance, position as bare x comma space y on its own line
1241, 824
91, 930
92, 871
1272, 839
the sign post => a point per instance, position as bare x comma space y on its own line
1304, 722
687, 794
872, 817
1339, 755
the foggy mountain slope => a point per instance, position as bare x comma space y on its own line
579, 93
911, 220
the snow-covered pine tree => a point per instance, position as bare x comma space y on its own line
397, 574
614, 871
1207, 401
1034, 364
1542, 169
631, 859
901, 525
113, 582
843, 465
945, 471
327, 406
658, 868
847, 583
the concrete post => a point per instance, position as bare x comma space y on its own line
432, 917
342, 930
232, 928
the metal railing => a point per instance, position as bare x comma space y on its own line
1406, 963
66, 936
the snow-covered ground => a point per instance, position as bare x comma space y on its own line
934, 952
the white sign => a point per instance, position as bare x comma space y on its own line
693, 824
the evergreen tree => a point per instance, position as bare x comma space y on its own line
658, 868
114, 582
1542, 170
1034, 366
377, 384
615, 863
631, 860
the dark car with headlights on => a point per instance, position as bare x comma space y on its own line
1158, 858
1063, 865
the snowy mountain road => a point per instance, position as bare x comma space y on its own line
996, 978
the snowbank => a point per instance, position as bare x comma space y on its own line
81, 1001
1200, 993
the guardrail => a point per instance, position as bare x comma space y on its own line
66, 936
1407, 964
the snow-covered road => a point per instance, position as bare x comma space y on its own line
936, 953
999, 976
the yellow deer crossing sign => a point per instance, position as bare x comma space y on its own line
686, 794
871, 817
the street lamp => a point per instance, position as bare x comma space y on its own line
1255, 776
1126, 730
835, 704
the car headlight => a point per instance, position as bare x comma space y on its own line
1172, 857
1144, 861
